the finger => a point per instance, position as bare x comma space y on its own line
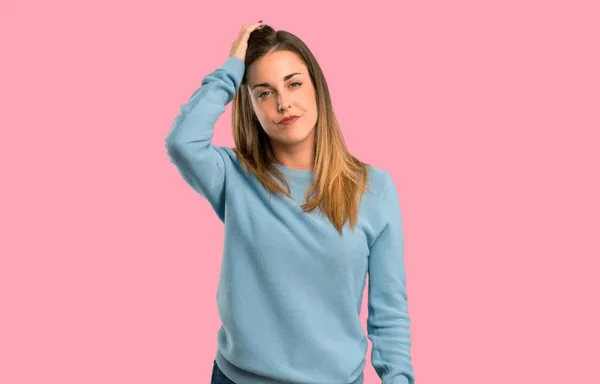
250, 27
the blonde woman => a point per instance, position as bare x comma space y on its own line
305, 223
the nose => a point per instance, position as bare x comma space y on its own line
282, 103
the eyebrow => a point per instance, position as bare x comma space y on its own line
284, 79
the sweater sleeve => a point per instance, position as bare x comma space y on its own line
189, 142
388, 321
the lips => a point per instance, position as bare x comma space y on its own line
289, 120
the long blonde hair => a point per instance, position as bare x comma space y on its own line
339, 179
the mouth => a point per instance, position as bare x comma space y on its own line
288, 120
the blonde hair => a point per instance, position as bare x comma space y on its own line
339, 179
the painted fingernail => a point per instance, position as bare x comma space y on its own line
260, 21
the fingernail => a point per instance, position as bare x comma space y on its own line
260, 21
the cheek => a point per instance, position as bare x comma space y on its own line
308, 102
312, 97
262, 112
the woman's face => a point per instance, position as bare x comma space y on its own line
280, 86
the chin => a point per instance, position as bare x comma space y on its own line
294, 136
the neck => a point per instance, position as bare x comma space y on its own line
298, 157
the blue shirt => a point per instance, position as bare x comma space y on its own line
291, 287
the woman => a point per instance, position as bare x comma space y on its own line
305, 222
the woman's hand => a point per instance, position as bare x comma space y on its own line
240, 45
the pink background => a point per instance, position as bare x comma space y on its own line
487, 115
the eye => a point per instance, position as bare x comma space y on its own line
263, 94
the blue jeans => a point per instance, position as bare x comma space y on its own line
218, 377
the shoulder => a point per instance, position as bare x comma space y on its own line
233, 163
377, 186
227, 153
379, 181
382, 202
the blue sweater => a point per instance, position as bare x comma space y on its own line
291, 287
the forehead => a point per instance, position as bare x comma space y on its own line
274, 66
